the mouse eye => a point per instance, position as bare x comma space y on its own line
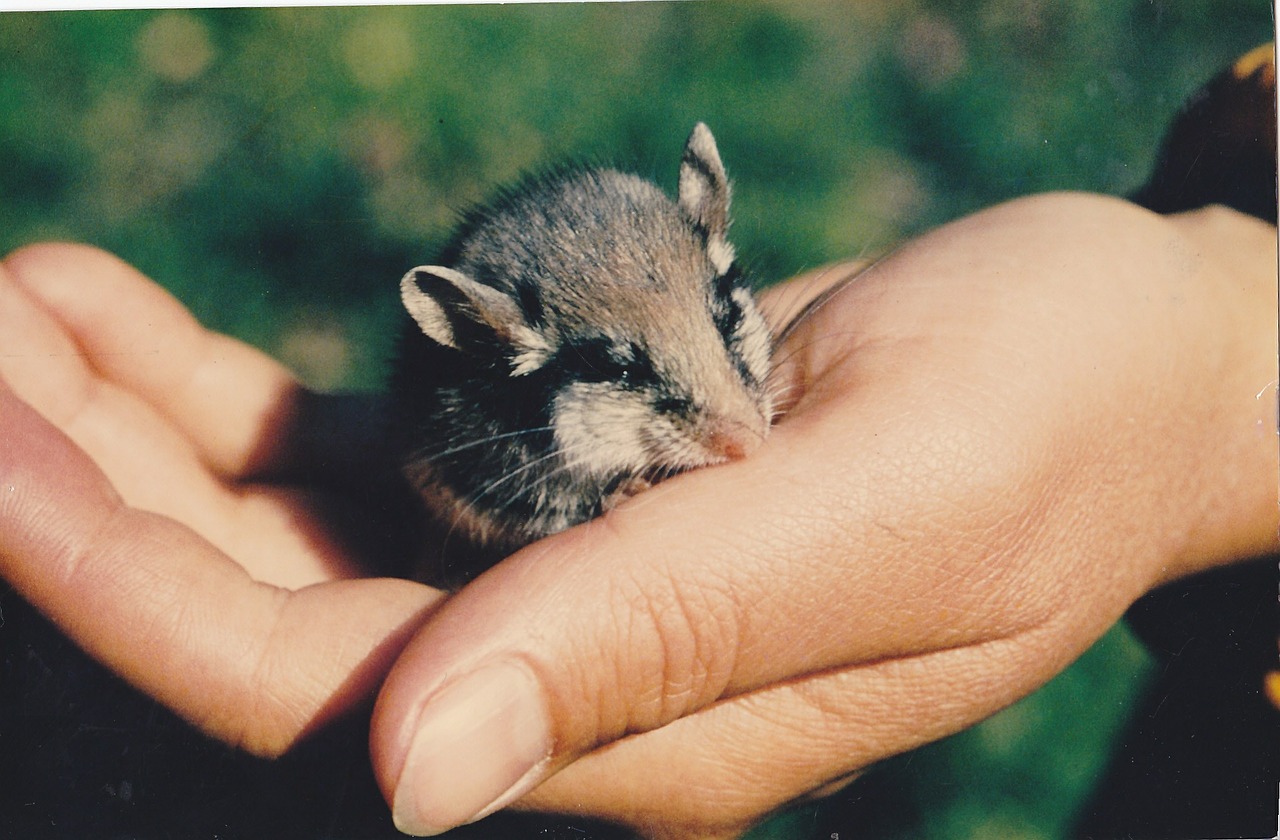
601, 360
621, 364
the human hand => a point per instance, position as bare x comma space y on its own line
147, 506
998, 438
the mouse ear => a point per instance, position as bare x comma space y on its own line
452, 309
704, 193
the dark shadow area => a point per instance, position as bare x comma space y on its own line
85, 757
1201, 758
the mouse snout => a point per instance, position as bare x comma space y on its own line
732, 439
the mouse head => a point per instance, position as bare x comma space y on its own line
622, 311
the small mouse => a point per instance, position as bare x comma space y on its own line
582, 337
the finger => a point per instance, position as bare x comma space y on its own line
147, 459
153, 464
717, 772
39, 360
248, 663
135, 335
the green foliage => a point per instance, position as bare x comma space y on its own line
279, 169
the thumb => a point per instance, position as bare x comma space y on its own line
559, 649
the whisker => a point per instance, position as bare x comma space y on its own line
539, 482
509, 488
472, 498
488, 489
784, 391
427, 455
791, 310
797, 299
817, 303
778, 362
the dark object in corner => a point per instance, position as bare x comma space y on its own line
1221, 148
1200, 758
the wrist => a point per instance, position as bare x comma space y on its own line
1234, 463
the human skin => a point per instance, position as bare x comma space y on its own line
996, 439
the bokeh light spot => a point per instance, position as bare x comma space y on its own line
379, 51
175, 46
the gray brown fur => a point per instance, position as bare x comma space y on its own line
583, 336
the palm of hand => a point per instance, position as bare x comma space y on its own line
136, 520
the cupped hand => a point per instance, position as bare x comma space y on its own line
148, 507
997, 438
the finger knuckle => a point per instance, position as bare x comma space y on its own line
687, 638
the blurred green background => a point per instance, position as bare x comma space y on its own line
279, 169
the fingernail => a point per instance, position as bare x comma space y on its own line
481, 743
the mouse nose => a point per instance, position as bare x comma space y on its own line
728, 446
731, 440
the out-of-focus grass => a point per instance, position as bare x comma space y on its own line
279, 169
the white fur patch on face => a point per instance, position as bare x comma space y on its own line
754, 333
600, 429
532, 351
743, 298
721, 254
